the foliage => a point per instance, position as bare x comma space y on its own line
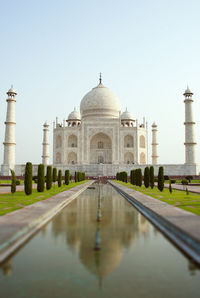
173, 181
59, 178
189, 178
151, 178
184, 182
67, 175
18, 182
170, 186
187, 191
28, 179
54, 178
161, 178
146, 177
13, 182
49, 177
139, 177
40, 179
166, 177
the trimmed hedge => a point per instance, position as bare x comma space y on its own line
146, 177
151, 178
40, 179
28, 179
67, 175
13, 182
49, 177
161, 179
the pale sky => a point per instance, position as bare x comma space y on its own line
52, 52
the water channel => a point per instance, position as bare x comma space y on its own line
133, 260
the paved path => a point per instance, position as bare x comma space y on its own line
6, 189
18, 226
191, 188
182, 227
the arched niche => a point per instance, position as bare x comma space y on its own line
142, 158
72, 141
142, 142
128, 141
58, 141
128, 158
58, 157
72, 158
100, 149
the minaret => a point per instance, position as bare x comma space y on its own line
189, 128
154, 144
45, 144
9, 142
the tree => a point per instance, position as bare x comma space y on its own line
146, 177
75, 177
151, 178
54, 175
59, 178
134, 177
49, 177
139, 177
170, 186
13, 182
28, 179
67, 175
161, 179
40, 178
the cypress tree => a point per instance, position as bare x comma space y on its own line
161, 179
131, 176
151, 177
67, 177
146, 177
54, 175
170, 186
75, 177
59, 178
40, 178
139, 177
28, 179
134, 177
49, 177
13, 182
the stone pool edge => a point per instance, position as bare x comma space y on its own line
17, 239
176, 224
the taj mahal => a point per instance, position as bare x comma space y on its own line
101, 140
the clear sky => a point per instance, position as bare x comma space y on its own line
52, 52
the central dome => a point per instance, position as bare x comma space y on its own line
100, 102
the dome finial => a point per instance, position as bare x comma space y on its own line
100, 79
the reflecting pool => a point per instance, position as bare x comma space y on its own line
122, 255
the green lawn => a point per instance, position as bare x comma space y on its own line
9, 181
177, 198
9, 202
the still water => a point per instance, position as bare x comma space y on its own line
134, 260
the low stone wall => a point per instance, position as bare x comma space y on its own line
109, 170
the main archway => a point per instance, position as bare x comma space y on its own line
100, 149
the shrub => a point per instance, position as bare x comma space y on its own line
155, 179
67, 177
187, 192
161, 178
134, 177
189, 178
173, 181
49, 177
75, 177
170, 186
146, 177
35, 179
18, 182
54, 176
184, 182
28, 179
13, 182
166, 177
40, 180
151, 178
139, 177
59, 178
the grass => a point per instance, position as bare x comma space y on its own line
11, 202
9, 181
177, 198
